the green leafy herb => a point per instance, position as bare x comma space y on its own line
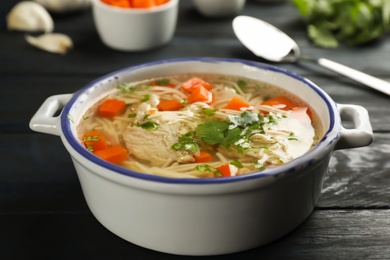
237, 164
350, 21
242, 84
91, 138
90, 148
209, 111
126, 88
187, 142
292, 137
149, 125
132, 115
258, 166
162, 82
69, 116
236, 131
217, 132
146, 98
207, 168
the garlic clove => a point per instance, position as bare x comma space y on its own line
29, 16
51, 42
62, 6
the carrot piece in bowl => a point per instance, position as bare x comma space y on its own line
201, 94
202, 157
111, 108
280, 102
190, 85
225, 170
114, 154
94, 141
170, 105
236, 103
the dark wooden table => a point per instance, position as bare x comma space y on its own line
43, 214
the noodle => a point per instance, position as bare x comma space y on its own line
261, 135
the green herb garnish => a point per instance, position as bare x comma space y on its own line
187, 142
209, 111
70, 118
146, 98
234, 131
207, 168
132, 115
162, 82
258, 166
149, 125
350, 21
292, 137
242, 84
125, 88
237, 164
91, 138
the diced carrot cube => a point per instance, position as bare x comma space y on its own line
193, 83
170, 105
111, 108
202, 157
201, 94
94, 141
225, 170
236, 103
114, 154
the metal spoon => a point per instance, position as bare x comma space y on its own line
270, 43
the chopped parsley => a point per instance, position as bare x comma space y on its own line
162, 82
292, 137
217, 132
235, 131
91, 138
146, 98
259, 166
208, 168
149, 125
242, 84
127, 88
70, 118
132, 115
187, 142
209, 111
237, 164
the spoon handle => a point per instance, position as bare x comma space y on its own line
368, 80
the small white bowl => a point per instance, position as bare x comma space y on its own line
219, 8
135, 29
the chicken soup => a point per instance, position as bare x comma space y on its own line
199, 126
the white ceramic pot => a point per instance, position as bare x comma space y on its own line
135, 29
203, 216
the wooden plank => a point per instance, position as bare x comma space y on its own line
326, 234
359, 177
207, 37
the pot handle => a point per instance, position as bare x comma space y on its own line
359, 136
44, 120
